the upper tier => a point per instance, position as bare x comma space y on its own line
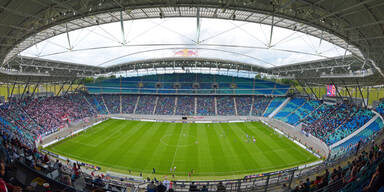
188, 83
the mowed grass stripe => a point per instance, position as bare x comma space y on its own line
169, 150
206, 162
155, 149
192, 151
241, 157
220, 163
258, 156
216, 149
260, 133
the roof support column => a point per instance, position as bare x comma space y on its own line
122, 28
272, 24
34, 89
310, 88
25, 88
70, 86
68, 38
337, 92
13, 88
304, 89
349, 93
61, 88
361, 94
198, 26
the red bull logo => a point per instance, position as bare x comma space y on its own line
186, 53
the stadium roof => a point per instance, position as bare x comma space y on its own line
107, 45
354, 27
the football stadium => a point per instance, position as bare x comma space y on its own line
191, 95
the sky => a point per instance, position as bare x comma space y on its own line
105, 45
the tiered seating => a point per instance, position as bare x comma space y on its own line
314, 122
7, 128
128, 103
205, 105
302, 112
360, 117
146, 104
243, 104
165, 105
225, 105
364, 137
265, 88
362, 173
324, 122
113, 103
19, 118
185, 105
259, 105
81, 109
10, 122
275, 103
44, 112
166, 83
291, 106
97, 103
380, 108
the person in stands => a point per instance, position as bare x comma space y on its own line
220, 187
377, 179
5, 186
193, 187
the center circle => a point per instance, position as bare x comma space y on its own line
183, 140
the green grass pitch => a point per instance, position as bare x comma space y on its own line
215, 149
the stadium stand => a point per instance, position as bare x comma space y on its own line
380, 108
128, 103
165, 105
97, 103
259, 105
113, 103
243, 104
185, 105
205, 105
81, 108
363, 173
331, 123
146, 104
364, 136
276, 102
183, 83
302, 112
290, 108
225, 105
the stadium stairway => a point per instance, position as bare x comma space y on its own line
85, 98
234, 104
253, 101
355, 133
282, 105
121, 104
305, 117
154, 109
215, 99
105, 105
174, 109
137, 103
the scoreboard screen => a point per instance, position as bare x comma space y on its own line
331, 90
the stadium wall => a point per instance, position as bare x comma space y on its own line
310, 141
